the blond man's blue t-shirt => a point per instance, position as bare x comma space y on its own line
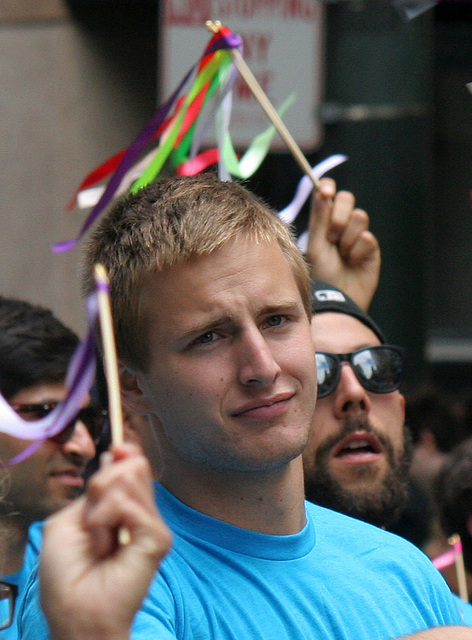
338, 579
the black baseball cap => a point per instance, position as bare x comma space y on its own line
325, 297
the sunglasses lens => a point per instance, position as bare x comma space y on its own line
327, 369
94, 420
379, 369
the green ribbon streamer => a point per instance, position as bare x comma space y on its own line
165, 148
257, 150
180, 154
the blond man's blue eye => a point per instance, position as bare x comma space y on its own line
206, 338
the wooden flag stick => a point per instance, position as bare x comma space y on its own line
111, 368
109, 354
268, 107
455, 541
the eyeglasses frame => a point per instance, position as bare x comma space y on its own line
347, 357
12, 593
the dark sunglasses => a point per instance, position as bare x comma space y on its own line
378, 369
93, 417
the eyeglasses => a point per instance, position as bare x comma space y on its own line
8, 593
378, 369
93, 417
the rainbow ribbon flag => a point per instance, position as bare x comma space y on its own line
177, 130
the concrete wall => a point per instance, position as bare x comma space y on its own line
69, 98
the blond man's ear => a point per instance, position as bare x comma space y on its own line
133, 390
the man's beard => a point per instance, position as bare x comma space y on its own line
382, 502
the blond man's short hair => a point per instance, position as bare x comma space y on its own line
167, 223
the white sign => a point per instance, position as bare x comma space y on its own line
283, 47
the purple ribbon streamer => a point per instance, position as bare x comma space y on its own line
305, 187
230, 41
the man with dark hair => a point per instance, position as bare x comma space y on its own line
35, 346
357, 457
359, 451
35, 351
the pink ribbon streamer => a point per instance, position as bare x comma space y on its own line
448, 558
